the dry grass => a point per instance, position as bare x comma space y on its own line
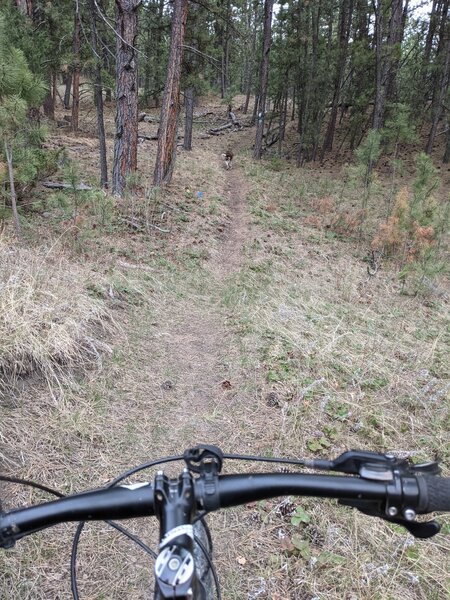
49, 323
341, 360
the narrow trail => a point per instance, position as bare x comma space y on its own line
191, 380
229, 254
203, 356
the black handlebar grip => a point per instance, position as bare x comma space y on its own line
436, 493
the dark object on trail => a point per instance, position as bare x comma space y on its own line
167, 385
226, 384
228, 157
374, 261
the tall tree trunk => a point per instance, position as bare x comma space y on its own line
255, 109
226, 49
189, 98
378, 110
361, 78
106, 66
168, 122
316, 108
387, 57
344, 34
441, 93
250, 64
54, 88
98, 97
48, 103
125, 146
147, 64
432, 26
76, 70
12, 190
267, 39
68, 89
446, 157
158, 75
282, 119
25, 7
395, 39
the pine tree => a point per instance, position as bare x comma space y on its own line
263, 79
168, 123
125, 147
19, 89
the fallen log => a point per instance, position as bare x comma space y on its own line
55, 185
205, 114
143, 116
152, 138
218, 129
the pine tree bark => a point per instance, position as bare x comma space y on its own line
76, 71
250, 59
48, 103
147, 64
125, 146
267, 39
379, 90
68, 90
387, 57
446, 157
25, 7
282, 119
98, 97
189, 98
443, 62
226, 50
395, 39
168, 122
345, 19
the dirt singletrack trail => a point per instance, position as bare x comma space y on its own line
193, 364
199, 347
229, 254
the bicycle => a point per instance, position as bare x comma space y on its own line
378, 485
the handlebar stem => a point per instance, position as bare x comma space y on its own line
175, 507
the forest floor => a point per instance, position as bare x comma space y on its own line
237, 319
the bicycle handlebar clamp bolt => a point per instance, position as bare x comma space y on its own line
392, 511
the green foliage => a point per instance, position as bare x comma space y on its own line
19, 90
399, 126
367, 155
424, 206
300, 516
103, 206
33, 163
416, 227
362, 173
47, 46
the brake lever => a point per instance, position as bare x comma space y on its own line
373, 509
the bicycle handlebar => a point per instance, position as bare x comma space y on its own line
389, 500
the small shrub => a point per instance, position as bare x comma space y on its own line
414, 230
